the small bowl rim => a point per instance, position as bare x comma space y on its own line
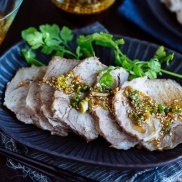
15, 9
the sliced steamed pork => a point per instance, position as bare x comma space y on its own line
33, 102
16, 92
56, 67
81, 124
106, 123
150, 110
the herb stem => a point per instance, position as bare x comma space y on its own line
171, 73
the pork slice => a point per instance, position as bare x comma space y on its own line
17, 90
33, 102
151, 132
112, 132
81, 124
56, 67
106, 123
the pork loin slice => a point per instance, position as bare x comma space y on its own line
112, 132
33, 102
81, 124
56, 67
151, 132
17, 90
106, 123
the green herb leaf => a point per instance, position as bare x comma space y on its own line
66, 35
50, 34
29, 55
162, 56
106, 81
86, 43
33, 37
154, 64
50, 39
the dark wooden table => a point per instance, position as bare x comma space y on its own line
37, 12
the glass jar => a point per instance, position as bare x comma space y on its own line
8, 11
83, 12
83, 7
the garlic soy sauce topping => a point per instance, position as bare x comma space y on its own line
83, 96
144, 106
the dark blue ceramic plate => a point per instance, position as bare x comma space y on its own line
73, 147
166, 18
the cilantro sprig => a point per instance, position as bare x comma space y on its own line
137, 68
150, 68
86, 43
51, 40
